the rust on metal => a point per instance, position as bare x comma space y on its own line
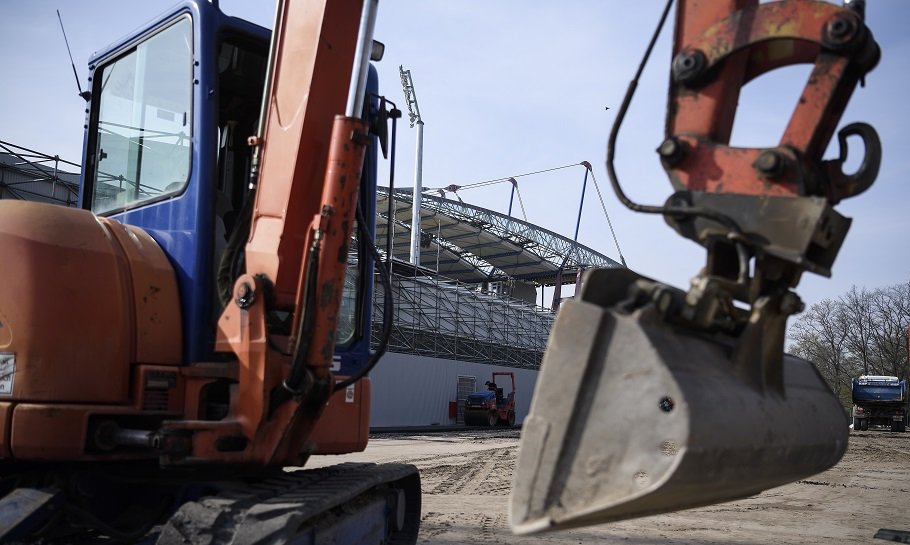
725, 46
310, 85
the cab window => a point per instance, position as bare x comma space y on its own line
143, 133
349, 313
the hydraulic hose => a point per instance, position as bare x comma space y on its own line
305, 332
714, 215
227, 265
387, 308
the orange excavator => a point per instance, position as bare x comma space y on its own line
203, 322
172, 345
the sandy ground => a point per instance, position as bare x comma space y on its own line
466, 478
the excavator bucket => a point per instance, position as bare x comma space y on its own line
634, 417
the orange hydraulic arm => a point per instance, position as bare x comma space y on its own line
719, 47
310, 160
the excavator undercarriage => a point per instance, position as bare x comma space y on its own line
351, 503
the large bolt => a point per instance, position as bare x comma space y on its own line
672, 151
770, 163
678, 202
689, 65
245, 296
840, 30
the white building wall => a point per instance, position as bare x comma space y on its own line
411, 390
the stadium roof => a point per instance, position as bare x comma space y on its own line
474, 244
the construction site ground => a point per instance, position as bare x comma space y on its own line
466, 477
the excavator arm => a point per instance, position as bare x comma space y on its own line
308, 165
655, 399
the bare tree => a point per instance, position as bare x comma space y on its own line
820, 336
889, 313
856, 306
861, 332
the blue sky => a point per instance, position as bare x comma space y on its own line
515, 86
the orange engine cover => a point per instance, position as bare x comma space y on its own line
81, 298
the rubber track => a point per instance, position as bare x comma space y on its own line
272, 510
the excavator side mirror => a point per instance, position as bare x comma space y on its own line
377, 51
380, 125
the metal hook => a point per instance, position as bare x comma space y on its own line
842, 186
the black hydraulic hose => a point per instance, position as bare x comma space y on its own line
387, 317
292, 384
390, 220
305, 330
236, 242
723, 219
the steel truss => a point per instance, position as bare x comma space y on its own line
27, 174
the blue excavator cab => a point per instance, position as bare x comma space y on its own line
165, 149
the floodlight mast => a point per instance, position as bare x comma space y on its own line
410, 97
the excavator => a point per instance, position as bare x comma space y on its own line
175, 350
200, 322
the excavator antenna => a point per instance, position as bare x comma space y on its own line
86, 95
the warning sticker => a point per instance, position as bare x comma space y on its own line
7, 372
349, 393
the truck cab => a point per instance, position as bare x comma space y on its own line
879, 401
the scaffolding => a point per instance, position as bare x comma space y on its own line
443, 318
34, 176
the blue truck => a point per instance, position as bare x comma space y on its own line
880, 401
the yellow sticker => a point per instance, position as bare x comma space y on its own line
6, 334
